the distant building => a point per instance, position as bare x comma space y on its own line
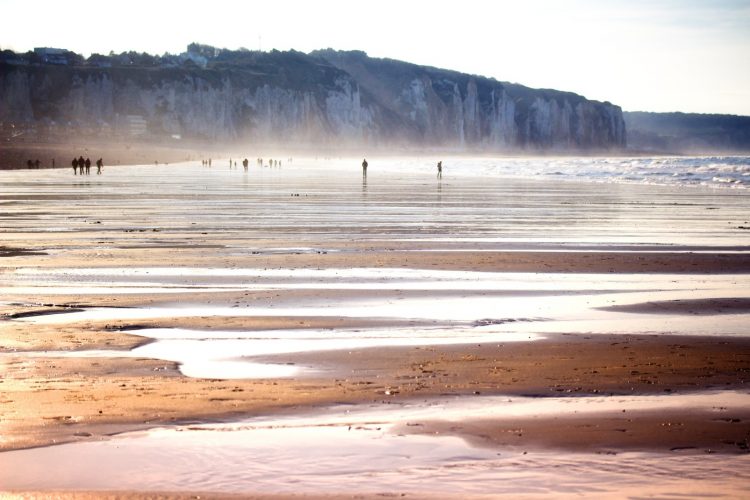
49, 55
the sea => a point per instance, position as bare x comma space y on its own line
710, 171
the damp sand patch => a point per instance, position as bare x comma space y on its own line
39, 312
19, 252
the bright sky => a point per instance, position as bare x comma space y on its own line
647, 55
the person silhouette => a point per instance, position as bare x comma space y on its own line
440, 170
364, 167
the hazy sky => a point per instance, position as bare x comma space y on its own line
658, 55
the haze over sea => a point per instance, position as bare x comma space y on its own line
711, 171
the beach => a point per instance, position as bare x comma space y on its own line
498, 330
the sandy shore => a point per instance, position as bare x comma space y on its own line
47, 399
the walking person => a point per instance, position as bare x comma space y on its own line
88, 166
99, 165
364, 167
74, 163
440, 170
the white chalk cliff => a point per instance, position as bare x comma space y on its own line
324, 98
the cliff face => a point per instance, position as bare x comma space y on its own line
329, 98
218, 104
447, 107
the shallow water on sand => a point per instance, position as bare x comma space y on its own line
234, 354
361, 448
321, 206
321, 202
474, 307
187, 215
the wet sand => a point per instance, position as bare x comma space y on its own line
57, 224
53, 400
161, 495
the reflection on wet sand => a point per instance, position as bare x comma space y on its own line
398, 448
384, 295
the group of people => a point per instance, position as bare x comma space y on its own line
271, 163
81, 166
259, 162
246, 163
